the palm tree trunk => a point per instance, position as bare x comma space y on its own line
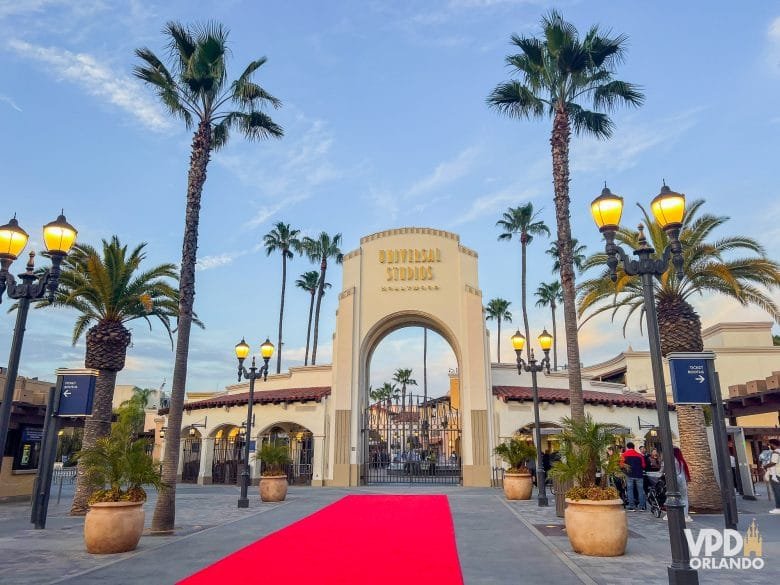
559, 142
281, 313
308, 329
95, 426
555, 338
165, 509
498, 340
523, 245
320, 292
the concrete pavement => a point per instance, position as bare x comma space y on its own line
498, 541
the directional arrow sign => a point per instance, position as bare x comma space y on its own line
690, 379
76, 391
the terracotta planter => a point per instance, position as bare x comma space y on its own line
273, 488
597, 528
518, 486
113, 527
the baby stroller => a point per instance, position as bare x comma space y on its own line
655, 494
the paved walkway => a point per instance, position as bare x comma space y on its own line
499, 542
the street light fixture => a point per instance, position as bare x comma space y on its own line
242, 352
545, 342
668, 209
59, 237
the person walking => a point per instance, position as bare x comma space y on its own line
772, 473
634, 463
683, 477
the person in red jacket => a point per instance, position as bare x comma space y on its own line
634, 464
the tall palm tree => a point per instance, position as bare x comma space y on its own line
577, 255
282, 238
109, 288
498, 310
559, 72
309, 281
524, 222
549, 295
709, 267
195, 88
385, 392
321, 249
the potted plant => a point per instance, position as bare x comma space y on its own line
595, 519
273, 481
117, 467
518, 484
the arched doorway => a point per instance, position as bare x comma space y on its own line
397, 278
191, 452
228, 446
300, 442
412, 430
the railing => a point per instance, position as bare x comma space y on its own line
63, 475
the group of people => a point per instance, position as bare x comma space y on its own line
636, 464
770, 461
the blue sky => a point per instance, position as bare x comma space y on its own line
386, 126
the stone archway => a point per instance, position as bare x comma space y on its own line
300, 442
397, 278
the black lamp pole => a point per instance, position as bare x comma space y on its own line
534, 367
647, 267
253, 374
32, 287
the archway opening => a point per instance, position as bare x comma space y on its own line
412, 420
228, 447
300, 443
191, 451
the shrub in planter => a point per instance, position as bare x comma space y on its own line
596, 522
273, 481
118, 467
518, 483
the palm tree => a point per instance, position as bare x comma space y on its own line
707, 269
558, 73
108, 288
385, 392
403, 376
309, 281
195, 88
321, 249
577, 255
523, 221
498, 310
283, 239
549, 295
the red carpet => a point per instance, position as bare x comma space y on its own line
369, 539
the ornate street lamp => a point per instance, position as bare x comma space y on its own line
59, 237
668, 209
242, 352
545, 342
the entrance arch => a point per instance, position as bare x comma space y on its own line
228, 446
397, 278
300, 442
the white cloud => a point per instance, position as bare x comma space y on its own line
773, 36
446, 172
629, 142
216, 261
98, 79
290, 171
10, 102
492, 203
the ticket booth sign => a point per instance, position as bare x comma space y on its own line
75, 392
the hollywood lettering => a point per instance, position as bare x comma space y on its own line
409, 263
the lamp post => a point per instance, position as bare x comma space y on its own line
518, 343
668, 208
59, 237
242, 351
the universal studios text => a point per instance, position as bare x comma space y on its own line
725, 549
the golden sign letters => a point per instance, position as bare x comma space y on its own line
415, 263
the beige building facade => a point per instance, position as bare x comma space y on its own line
396, 278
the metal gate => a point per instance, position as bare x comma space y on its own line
301, 445
191, 461
227, 460
412, 440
